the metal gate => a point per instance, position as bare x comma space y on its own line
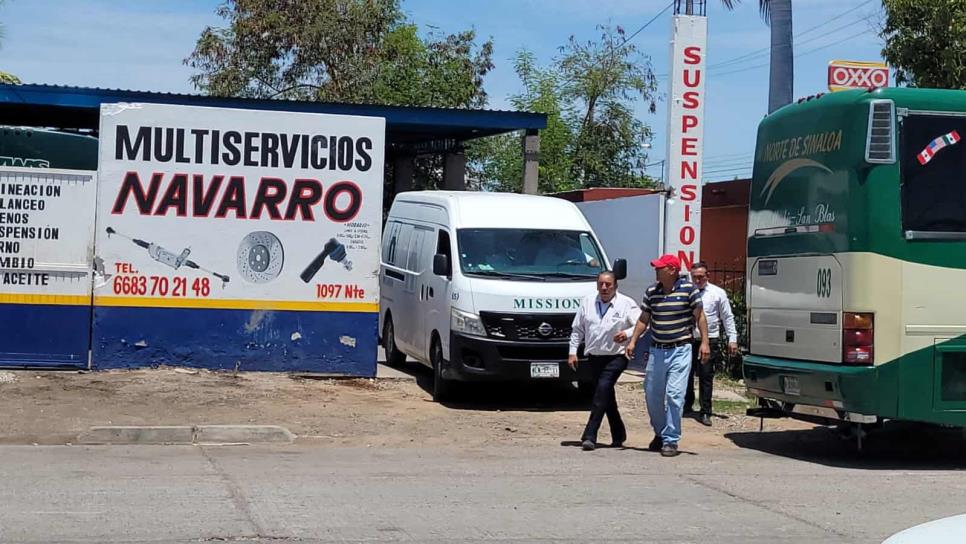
46, 277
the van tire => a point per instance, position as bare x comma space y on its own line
394, 357
442, 388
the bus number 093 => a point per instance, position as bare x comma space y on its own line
824, 283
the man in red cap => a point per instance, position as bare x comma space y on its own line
670, 309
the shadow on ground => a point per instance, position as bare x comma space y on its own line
532, 396
893, 446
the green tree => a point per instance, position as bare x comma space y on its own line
357, 51
592, 137
337, 51
925, 42
603, 80
6, 77
497, 163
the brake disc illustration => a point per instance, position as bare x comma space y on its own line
260, 257
168, 258
334, 250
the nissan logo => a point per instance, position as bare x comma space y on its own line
545, 329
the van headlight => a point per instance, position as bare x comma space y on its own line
466, 323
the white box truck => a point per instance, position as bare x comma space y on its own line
484, 286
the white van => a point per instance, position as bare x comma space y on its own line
484, 286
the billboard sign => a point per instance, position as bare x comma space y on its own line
686, 137
239, 210
844, 74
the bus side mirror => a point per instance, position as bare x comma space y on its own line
440, 265
620, 268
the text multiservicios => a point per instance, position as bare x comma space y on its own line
220, 196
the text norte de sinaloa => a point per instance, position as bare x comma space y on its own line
221, 195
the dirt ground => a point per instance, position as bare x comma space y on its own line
53, 407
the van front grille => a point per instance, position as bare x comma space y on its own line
535, 327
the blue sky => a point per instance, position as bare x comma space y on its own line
140, 44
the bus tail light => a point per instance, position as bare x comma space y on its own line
858, 338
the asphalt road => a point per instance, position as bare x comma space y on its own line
310, 492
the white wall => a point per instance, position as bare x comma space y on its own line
629, 228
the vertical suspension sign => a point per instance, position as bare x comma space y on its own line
682, 233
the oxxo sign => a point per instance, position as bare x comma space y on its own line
682, 234
843, 74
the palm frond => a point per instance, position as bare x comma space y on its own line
763, 5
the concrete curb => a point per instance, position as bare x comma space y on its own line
247, 434
186, 435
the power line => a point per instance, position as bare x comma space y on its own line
761, 53
629, 38
809, 52
798, 35
766, 52
647, 24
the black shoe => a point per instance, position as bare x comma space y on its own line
705, 420
688, 412
588, 445
655, 444
617, 443
670, 450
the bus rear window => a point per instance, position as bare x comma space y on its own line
933, 163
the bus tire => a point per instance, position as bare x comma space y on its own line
394, 357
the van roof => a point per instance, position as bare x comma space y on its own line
472, 209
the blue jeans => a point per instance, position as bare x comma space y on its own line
665, 381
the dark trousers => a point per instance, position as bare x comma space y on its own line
606, 370
705, 372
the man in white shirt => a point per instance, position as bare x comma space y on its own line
717, 310
603, 324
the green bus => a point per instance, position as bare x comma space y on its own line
856, 285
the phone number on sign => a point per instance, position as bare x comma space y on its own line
161, 286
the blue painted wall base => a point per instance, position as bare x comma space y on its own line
44, 335
259, 340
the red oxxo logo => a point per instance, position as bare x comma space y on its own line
857, 75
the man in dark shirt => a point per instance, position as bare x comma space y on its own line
670, 309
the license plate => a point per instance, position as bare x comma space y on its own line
544, 370
790, 385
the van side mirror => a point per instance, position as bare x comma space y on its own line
440, 265
620, 268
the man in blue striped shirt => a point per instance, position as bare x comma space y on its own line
670, 309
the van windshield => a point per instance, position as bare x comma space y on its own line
529, 254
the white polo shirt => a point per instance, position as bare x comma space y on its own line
597, 322
717, 310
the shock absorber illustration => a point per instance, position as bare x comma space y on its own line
333, 250
168, 258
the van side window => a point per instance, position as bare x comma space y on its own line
399, 247
443, 248
390, 241
421, 236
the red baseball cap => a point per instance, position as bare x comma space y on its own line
666, 260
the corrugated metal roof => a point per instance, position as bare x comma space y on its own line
78, 107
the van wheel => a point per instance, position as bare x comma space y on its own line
394, 357
442, 388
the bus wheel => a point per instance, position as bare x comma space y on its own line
442, 388
394, 357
